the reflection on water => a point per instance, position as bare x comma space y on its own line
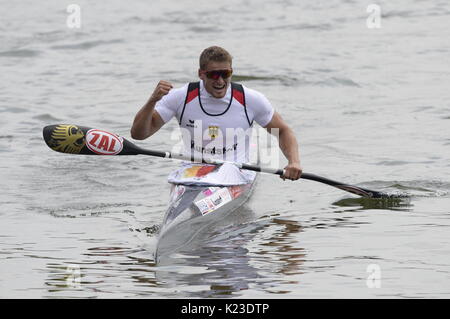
233, 262
223, 269
283, 245
63, 277
247, 253
227, 260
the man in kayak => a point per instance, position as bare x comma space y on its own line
216, 114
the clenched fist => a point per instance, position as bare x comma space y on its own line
161, 89
292, 171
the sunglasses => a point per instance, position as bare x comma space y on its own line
216, 74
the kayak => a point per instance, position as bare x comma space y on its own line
193, 208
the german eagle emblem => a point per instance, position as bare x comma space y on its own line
67, 139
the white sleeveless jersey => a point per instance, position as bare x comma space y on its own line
216, 128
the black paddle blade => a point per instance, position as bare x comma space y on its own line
74, 139
364, 192
66, 138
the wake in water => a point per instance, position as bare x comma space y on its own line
402, 194
403, 204
236, 226
414, 188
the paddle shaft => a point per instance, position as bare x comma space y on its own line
73, 139
346, 187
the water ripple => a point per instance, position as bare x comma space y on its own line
20, 53
86, 45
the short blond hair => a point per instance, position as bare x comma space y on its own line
216, 54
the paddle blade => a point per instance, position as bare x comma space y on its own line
74, 139
364, 192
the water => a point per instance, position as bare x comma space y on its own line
369, 107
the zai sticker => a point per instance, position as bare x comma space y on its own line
104, 143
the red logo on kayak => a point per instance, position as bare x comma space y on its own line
103, 143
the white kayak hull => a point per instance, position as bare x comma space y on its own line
192, 209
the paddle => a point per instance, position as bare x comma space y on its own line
73, 139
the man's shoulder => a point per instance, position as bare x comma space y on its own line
254, 96
181, 89
179, 92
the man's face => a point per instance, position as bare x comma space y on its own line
216, 78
